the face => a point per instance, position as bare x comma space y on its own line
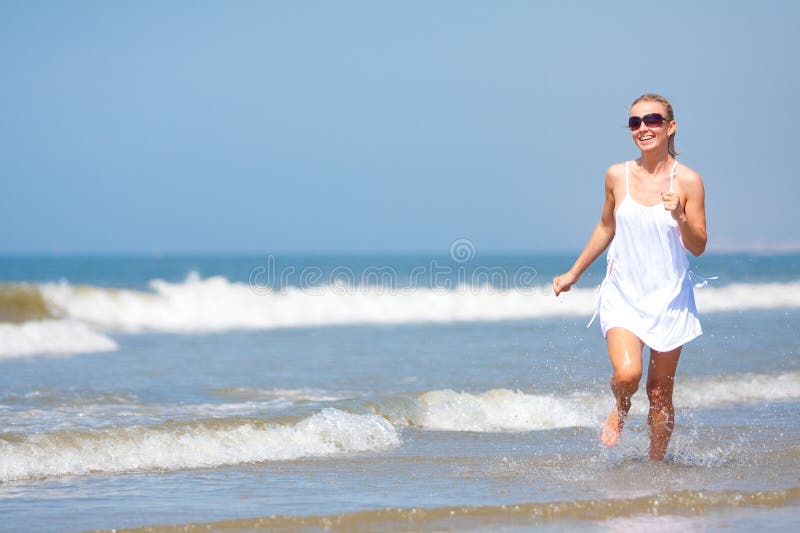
651, 138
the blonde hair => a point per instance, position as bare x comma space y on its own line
652, 97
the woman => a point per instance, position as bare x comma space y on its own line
653, 213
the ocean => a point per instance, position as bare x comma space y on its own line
380, 393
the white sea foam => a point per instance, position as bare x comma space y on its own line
717, 391
739, 388
328, 432
498, 410
54, 337
748, 296
216, 304
506, 410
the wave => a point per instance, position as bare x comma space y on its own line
20, 302
506, 410
178, 440
196, 445
53, 337
217, 304
495, 410
748, 296
741, 388
645, 509
47, 409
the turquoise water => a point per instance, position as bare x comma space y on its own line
140, 391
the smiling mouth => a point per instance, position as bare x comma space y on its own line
647, 138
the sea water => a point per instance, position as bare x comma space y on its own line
380, 393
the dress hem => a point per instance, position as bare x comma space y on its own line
669, 347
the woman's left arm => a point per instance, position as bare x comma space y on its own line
689, 212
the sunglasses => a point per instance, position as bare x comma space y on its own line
652, 120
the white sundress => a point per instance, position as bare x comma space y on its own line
648, 288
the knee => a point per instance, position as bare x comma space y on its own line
628, 378
659, 394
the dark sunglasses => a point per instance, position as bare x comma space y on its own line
652, 120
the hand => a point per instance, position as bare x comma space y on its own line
672, 203
564, 282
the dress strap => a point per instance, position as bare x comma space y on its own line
672, 177
627, 182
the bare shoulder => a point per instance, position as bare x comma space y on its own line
688, 178
615, 174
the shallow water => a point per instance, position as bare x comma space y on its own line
469, 419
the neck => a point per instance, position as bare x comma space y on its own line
654, 162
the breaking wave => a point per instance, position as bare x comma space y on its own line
195, 445
69, 318
227, 434
216, 304
506, 410
51, 337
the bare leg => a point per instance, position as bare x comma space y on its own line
661, 418
625, 353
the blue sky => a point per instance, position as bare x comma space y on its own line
157, 127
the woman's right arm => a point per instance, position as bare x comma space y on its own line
601, 237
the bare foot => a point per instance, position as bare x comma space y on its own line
612, 427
